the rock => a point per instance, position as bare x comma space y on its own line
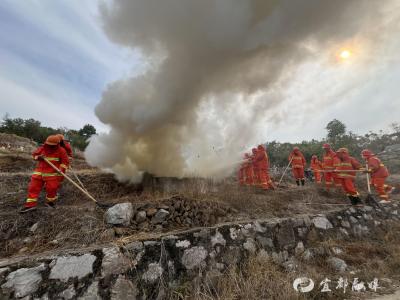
285, 235
24, 281
92, 293
250, 246
345, 224
337, 263
67, 294
154, 271
140, 217
343, 231
265, 242
123, 289
3, 271
194, 257
353, 220
299, 248
67, 267
183, 244
134, 246
120, 214
337, 250
322, 223
151, 212
218, 239
259, 228
160, 216
34, 227
114, 262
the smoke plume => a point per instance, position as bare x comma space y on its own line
214, 69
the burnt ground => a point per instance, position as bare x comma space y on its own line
77, 222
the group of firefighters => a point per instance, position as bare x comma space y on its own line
57, 151
337, 168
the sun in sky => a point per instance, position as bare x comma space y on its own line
345, 54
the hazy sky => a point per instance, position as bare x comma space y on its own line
56, 62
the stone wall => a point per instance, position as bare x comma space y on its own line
141, 269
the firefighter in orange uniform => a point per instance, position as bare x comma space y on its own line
346, 175
379, 173
327, 164
256, 180
262, 162
298, 165
316, 167
44, 174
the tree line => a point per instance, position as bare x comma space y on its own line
338, 137
33, 129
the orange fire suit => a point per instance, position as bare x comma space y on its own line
379, 173
45, 175
256, 180
327, 163
298, 165
316, 167
262, 162
348, 163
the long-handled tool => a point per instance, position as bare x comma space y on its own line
284, 172
370, 199
76, 185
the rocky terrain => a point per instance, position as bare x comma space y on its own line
185, 238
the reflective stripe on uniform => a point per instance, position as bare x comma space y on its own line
28, 200
50, 174
53, 158
51, 199
37, 173
346, 175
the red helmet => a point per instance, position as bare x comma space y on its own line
326, 146
366, 153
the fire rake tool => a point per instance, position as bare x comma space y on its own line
370, 199
284, 172
101, 205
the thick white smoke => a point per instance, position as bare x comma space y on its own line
215, 68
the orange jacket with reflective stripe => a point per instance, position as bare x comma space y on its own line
58, 156
262, 160
347, 164
378, 168
316, 165
298, 160
327, 160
